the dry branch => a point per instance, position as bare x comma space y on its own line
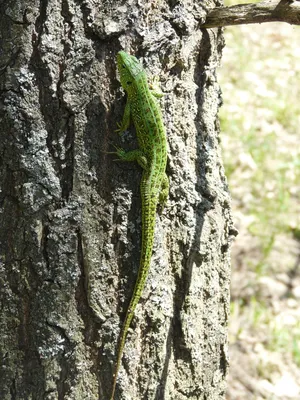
266, 11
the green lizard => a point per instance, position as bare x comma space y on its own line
145, 111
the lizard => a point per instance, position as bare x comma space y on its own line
143, 108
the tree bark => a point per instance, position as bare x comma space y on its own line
70, 229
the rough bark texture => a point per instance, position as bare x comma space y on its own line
265, 11
70, 215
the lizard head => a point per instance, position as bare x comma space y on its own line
130, 70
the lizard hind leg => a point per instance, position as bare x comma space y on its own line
164, 191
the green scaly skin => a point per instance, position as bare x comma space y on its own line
145, 112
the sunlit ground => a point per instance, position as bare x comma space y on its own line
260, 133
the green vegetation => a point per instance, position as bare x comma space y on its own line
285, 340
261, 128
260, 134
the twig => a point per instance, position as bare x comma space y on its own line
265, 11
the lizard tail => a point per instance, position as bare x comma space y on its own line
148, 225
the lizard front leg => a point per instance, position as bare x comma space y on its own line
133, 155
154, 86
123, 126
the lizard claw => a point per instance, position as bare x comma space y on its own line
119, 152
120, 128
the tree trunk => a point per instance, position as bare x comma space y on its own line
70, 230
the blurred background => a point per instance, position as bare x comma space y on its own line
260, 134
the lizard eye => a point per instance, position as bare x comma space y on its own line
129, 83
123, 66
